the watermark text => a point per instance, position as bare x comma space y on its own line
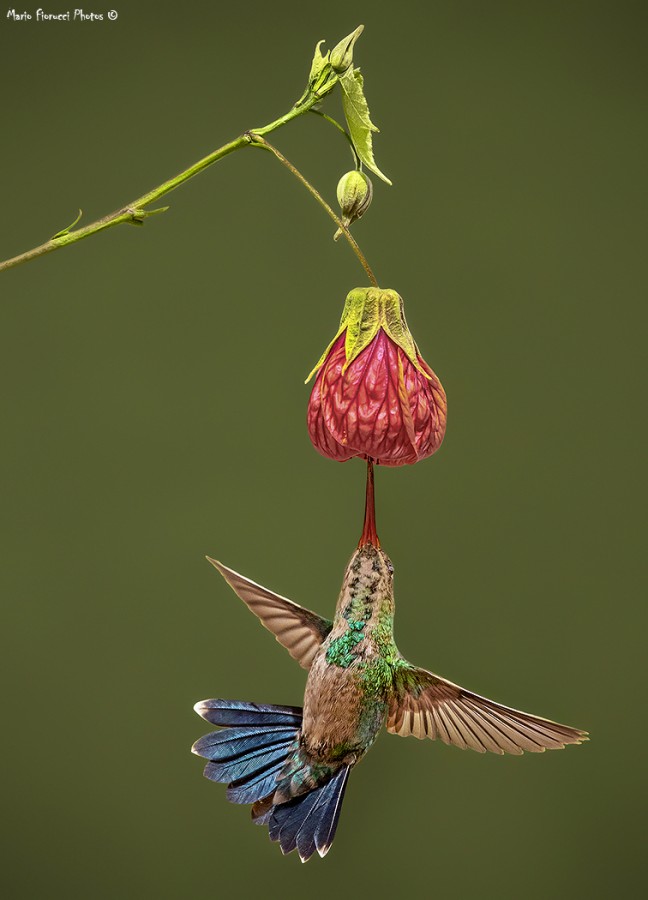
66, 15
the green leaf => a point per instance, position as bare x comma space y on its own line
65, 231
360, 125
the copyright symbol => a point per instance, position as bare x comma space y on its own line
112, 14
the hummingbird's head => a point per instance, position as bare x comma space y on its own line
373, 563
368, 579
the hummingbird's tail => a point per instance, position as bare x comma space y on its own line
252, 750
257, 744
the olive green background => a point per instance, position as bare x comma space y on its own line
153, 412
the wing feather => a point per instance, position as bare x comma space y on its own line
297, 629
425, 705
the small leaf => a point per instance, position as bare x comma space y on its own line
360, 125
319, 62
64, 231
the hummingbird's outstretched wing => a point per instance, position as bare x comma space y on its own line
425, 705
299, 630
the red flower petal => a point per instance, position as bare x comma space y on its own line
381, 407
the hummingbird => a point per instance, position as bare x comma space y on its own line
292, 764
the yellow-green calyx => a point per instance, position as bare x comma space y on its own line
366, 311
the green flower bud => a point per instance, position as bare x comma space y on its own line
341, 57
322, 78
354, 193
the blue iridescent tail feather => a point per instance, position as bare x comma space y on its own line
249, 754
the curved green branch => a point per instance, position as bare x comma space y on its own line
258, 141
336, 124
136, 212
326, 71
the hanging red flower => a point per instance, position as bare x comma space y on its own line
374, 395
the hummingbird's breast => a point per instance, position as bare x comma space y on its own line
350, 679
